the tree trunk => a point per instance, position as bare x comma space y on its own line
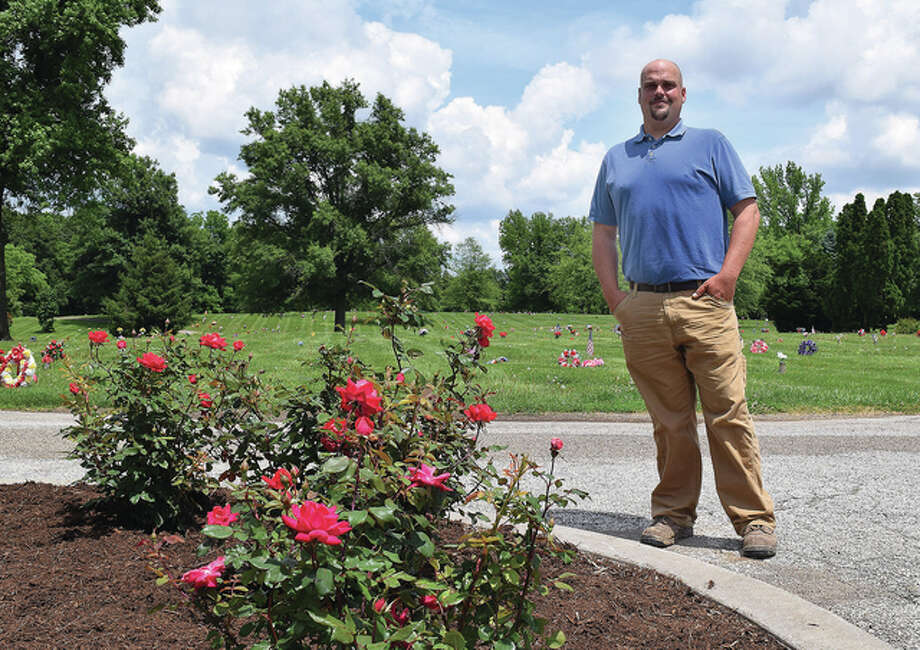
341, 305
4, 303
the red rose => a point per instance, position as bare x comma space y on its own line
213, 340
486, 328
480, 413
238, 345
555, 445
122, 344
98, 337
152, 361
75, 389
205, 400
193, 379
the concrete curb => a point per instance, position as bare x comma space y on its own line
793, 620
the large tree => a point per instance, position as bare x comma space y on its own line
794, 243
56, 129
529, 250
326, 189
473, 283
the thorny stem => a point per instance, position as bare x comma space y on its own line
532, 542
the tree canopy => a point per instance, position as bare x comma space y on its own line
326, 189
57, 131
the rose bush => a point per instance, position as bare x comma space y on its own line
330, 534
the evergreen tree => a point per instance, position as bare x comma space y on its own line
878, 297
154, 288
850, 265
904, 226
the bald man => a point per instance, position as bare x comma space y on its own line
664, 193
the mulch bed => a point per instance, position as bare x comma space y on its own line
71, 578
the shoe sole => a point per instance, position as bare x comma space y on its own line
660, 543
758, 553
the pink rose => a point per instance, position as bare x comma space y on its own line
424, 475
152, 362
122, 344
364, 426
314, 521
555, 445
221, 516
76, 390
431, 602
205, 576
379, 605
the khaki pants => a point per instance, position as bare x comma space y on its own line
674, 347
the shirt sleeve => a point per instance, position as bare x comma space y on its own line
734, 181
602, 210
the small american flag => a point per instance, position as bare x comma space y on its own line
589, 348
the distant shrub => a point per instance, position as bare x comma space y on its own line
905, 326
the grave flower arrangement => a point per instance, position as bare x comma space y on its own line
569, 359
17, 367
759, 346
808, 347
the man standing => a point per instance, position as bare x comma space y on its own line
665, 192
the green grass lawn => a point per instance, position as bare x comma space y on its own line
852, 375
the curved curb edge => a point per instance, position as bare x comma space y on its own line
792, 619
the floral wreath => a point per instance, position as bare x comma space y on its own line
569, 359
24, 366
759, 346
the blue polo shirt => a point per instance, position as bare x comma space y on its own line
668, 199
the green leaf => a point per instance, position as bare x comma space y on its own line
562, 585
324, 581
355, 517
336, 465
217, 532
162, 580
384, 514
425, 583
455, 640
557, 640
422, 543
503, 645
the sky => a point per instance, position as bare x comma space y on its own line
524, 98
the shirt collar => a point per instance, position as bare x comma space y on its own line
678, 130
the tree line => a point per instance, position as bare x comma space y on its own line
339, 193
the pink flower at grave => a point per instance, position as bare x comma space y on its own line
316, 522
424, 475
205, 576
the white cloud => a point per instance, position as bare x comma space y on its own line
900, 139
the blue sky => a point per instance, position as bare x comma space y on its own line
524, 98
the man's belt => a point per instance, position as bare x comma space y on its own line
667, 287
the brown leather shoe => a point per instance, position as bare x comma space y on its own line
758, 542
663, 533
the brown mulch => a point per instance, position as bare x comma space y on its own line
76, 579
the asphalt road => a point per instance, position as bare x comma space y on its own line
845, 491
